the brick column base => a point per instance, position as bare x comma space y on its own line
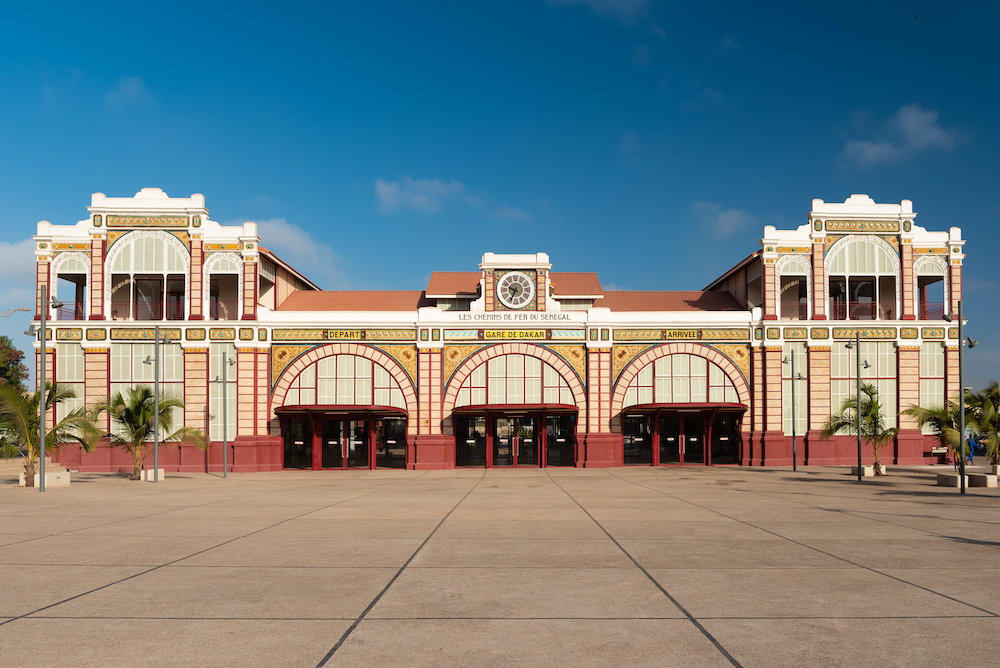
777, 449
251, 454
909, 448
753, 451
603, 450
433, 451
818, 451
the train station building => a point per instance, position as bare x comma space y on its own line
507, 362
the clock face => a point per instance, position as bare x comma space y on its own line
515, 290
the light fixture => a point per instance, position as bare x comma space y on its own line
971, 343
946, 317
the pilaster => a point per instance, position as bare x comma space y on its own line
819, 280
97, 246
197, 276
906, 262
819, 452
601, 445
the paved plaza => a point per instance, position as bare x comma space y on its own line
546, 567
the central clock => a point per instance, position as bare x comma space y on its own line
515, 289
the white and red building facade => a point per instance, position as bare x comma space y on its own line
509, 365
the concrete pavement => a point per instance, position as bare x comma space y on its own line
586, 567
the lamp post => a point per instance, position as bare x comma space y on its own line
961, 390
856, 344
42, 334
156, 400
225, 442
787, 360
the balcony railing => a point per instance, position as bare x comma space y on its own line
143, 310
222, 310
861, 311
931, 311
794, 310
71, 311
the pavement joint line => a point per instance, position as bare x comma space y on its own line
378, 597
170, 563
824, 552
586, 619
698, 625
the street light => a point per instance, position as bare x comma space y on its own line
857, 400
962, 342
42, 334
786, 360
12, 311
156, 400
225, 442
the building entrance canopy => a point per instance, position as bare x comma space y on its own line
343, 437
516, 435
675, 434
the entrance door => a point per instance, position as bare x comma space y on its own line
515, 442
726, 438
390, 443
694, 439
332, 444
470, 441
560, 440
670, 439
638, 436
298, 443
356, 447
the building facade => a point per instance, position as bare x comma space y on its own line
509, 365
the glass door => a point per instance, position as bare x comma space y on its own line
560, 440
694, 439
331, 444
515, 442
670, 439
526, 442
390, 443
726, 439
503, 441
470, 441
298, 443
357, 448
638, 436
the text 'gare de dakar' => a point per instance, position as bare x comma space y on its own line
509, 365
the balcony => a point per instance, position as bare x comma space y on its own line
794, 310
223, 310
862, 311
931, 311
148, 310
71, 311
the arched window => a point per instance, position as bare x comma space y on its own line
680, 379
223, 286
148, 277
345, 380
794, 283
514, 379
863, 279
931, 289
70, 274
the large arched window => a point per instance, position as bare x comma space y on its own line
223, 286
345, 380
931, 289
148, 277
863, 279
680, 379
794, 282
514, 379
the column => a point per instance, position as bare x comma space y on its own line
819, 280
910, 442
250, 288
196, 404
777, 446
906, 261
197, 276
432, 448
97, 245
602, 443
818, 451
768, 286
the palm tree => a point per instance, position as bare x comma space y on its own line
132, 423
985, 409
19, 425
943, 422
873, 428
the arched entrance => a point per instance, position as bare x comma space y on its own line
681, 404
517, 406
344, 406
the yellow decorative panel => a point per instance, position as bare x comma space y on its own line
625, 354
576, 356
282, 356
405, 355
739, 354
455, 355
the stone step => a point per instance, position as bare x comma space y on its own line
15, 466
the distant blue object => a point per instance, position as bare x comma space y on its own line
971, 443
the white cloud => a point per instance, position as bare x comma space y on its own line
419, 194
626, 11
640, 54
629, 142
17, 275
296, 246
912, 130
508, 213
723, 223
730, 44
128, 91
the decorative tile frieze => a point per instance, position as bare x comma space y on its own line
222, 333
461, 335
773, 333
97, 334
390, 335
953, 332
75, 334
576, 356
145, 334
195, 334
908, 332
455, 355
862, 226
147, 221
66, 247
734, 334
866, 332
282, 356
298, 335
246, 334
819, 333
795, 332
568, 335
405, 355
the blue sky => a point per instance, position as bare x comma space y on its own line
376, 142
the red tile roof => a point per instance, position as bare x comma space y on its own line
355, 300
575, 284
451, 283
635, 300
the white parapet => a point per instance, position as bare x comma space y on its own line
56, 479
147, 475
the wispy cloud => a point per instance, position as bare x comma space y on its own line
629, 142
296, 246
508, 213
640, 54
625, 11
17, 273
423, 195
128, 91
723, 223
912, 130
730, 44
